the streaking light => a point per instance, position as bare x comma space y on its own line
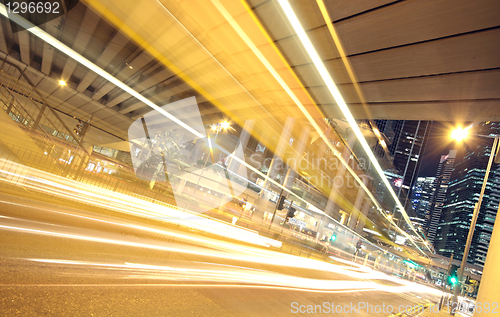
318, 63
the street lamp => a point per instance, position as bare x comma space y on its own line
397, 221
225, 125
216, 127
459, 134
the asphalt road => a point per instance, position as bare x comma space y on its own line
62, 261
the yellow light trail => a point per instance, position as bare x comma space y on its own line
339, 99
285, 5
333, 89
225, 274
93, 67
88, 194
71, 53
190, 285
228, 272
350, 71
295, 99
265, 278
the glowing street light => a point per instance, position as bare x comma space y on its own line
225, 125
459, 133
217, 127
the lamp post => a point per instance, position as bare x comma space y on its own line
224, 125
396, 222
218, 127
459, 134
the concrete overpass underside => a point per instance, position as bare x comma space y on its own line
413, 60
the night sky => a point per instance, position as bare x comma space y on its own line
439, 144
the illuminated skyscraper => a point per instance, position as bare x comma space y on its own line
422, 193
463, 193
406, 144
440, 187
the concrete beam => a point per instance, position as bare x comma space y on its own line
3, 42
109, 53
48, 50
24, 46
457, 110
87, 28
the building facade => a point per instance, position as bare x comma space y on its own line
406, 145
435, 207
463, 193
422, 193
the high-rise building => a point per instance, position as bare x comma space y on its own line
422, 193
407, 140
435, 207
463, 193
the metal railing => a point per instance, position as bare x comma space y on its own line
22, 101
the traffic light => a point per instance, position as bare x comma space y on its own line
290, 213
452, 275
281, 202
81, 128
358, 244
333, 238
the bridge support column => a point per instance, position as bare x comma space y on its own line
357, 204
338, 187
489, 292
234, 165
277, 161
301, 145
362, 217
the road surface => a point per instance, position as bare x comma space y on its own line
74, 261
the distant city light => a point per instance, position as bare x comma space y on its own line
398, 182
